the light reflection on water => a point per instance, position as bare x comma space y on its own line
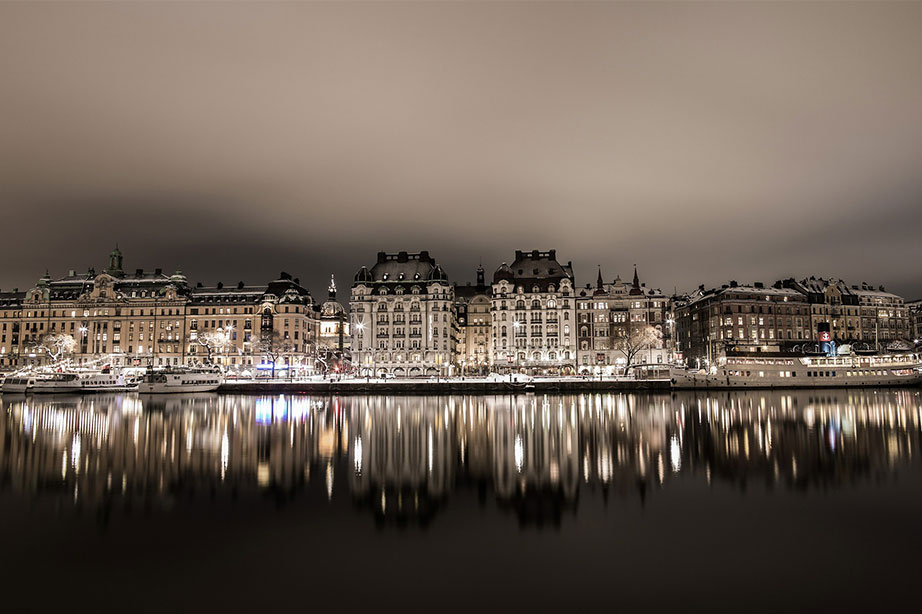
400, 459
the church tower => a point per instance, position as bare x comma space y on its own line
115, 263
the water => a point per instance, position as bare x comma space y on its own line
733, 501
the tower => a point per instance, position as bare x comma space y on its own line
115, 263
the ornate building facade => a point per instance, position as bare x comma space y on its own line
858, 314
621, 324
334, 341
533, 307
402, 317
472, 311
149, 318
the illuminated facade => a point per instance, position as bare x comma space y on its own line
620, 323
533, 309
472, 310
749, 318
402, 317
858, 314
151, 318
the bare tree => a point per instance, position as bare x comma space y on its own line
636, 341
212, 341
56, 346
272, 346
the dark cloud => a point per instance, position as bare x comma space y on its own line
702, 141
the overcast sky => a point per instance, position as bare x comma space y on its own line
704, 142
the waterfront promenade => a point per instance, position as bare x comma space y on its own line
467, 385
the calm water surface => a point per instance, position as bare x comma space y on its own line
734, 501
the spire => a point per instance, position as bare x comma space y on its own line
599, 280
332, 289
480, 276
635, 287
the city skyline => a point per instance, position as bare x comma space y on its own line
704, 143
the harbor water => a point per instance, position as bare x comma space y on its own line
726, 501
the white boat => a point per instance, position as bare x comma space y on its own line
172, 381
804, 372
56, 383
107, 382
18, 383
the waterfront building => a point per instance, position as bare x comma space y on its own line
149, 318
334, 342
740, 318
472, 312
268, 327
402, 317
621, 324
533, 307
856, 314
915, 320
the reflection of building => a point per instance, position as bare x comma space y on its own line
151, 318
472, 311
532, 307
621, 321
403, 458
401, 317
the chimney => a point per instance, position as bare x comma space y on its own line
553, 254
158, 271
220, 285
240, 285
139, 272
382, 257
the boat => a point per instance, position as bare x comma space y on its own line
107, 382
851, 371
179, 380
18, 383
56, 383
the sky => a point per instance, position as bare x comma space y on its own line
703, 142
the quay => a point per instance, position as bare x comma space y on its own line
452, 386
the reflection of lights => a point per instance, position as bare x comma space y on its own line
262, 474
430, 448
75, 453
675, 454
357, 452
329, 480
225, 455
519, 453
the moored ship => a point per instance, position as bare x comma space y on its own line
803, 372
179, 380
107, 382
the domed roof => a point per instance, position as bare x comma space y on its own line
363, 276
503, 272
437, 274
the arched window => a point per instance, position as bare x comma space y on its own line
551, 304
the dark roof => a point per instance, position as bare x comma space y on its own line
402, 267
535, 268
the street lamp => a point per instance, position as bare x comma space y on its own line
515, 342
